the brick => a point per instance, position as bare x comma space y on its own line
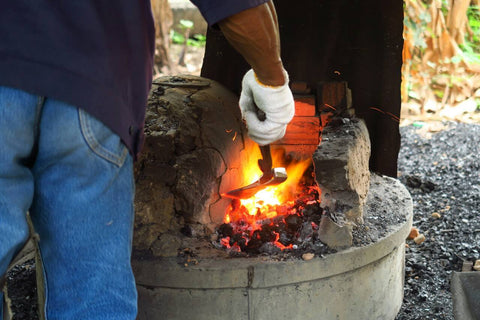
302, 130
304, 105
297, 151
300, 87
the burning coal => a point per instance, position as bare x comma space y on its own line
282, 217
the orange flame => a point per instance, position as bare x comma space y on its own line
269, 202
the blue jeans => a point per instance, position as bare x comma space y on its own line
75, 178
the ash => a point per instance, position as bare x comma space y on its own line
441, 172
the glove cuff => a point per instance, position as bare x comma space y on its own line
269, 86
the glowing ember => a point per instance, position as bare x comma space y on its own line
269, 202
251, 222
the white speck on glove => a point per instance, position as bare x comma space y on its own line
277, 104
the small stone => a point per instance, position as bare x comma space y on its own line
436, 215
309, 256
419, 239
334, 235
476, 266
413, 233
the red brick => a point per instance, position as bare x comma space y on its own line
302, 130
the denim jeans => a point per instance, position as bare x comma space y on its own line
75, 178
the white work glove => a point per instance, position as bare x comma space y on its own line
277, 104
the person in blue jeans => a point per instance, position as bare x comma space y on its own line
74, 79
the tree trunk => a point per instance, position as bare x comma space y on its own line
162, 14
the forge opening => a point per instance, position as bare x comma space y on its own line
282, 217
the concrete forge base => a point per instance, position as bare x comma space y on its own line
360, 283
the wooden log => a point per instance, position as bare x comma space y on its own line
336, 97
163, 16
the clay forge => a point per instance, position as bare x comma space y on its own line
332, 224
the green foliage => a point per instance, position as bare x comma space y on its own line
197, 40
471, 47
473, 15
176, 37
470, 52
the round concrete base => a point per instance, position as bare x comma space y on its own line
359, 283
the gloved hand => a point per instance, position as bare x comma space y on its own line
277, 104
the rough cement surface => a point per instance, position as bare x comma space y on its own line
341, 169
355, 295
350, 284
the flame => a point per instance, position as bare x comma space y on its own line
253, 219
269, 202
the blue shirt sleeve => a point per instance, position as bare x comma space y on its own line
216, 10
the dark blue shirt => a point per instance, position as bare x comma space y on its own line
94, 54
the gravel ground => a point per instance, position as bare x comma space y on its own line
439, 164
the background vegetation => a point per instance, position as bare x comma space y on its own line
441, 71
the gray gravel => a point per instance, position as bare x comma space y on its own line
441, 171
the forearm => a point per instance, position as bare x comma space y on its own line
254, 34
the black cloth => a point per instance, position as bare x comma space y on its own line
94, 54
216, 10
